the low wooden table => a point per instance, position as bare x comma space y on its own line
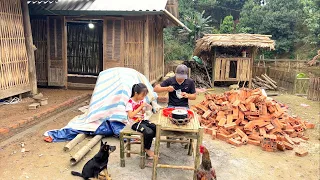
191, 131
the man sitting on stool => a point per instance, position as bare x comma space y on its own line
181, 88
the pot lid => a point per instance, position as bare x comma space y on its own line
180, 112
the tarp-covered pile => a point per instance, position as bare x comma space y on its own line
106, 113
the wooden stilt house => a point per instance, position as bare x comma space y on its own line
232, 55
76, 39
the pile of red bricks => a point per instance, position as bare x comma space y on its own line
248, 117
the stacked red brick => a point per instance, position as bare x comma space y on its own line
248, 117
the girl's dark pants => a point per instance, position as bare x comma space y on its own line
148, 129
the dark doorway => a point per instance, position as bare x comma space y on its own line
84, 48
233, 69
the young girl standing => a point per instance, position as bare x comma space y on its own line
136, 108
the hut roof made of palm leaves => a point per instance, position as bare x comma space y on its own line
233, 40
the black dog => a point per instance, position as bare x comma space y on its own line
98, 163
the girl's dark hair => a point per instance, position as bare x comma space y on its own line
139, 88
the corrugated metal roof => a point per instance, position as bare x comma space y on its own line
97, 5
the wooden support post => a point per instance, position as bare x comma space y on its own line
142, 153
122, 160
254, 51
156, 152
213, 60
197, 156
29, 46
128, 146
190, 147
146, 49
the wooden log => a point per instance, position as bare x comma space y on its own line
29, 46
274, 82
272, 94
85, 149
261, 80
74, 142
270, 82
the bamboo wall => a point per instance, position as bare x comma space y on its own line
14, 78
132, 50
156, 62
133, 40
39, 32
134, 45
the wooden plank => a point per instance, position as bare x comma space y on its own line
227, 70
213, 58
217, 69
14, 91
223, 69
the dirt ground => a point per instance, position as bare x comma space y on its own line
48, 161
8, 113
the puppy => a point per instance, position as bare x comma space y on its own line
98, 163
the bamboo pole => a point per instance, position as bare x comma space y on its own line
85, 149
74, 142
146, 49
122, 148
176, 20
29, 46
197, 153
175, 167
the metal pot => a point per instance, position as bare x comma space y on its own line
179, 114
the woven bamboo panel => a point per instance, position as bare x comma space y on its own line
39, 32
14, 78
223, 73
156, 65
133, 38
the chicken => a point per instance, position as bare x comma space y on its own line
205, 171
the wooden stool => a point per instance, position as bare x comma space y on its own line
129, 134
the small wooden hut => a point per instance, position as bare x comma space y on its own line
76, 39
232, 55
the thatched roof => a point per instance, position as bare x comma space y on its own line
232, 40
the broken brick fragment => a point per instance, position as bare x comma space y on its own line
288, 145
254, 142
281, 146
301, 152
234, 142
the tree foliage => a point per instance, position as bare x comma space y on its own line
278, 18
292, 23
198, 24
311, 8
227, 25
